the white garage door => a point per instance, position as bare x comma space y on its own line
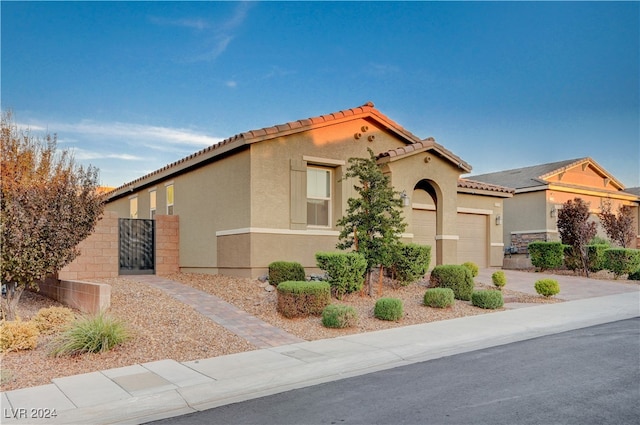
472, 245
424, 231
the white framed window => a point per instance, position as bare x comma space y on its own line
133, 207
170, 199
319, 196
152, 204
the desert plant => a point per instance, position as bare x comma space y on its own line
90, 334
547, 287
52, 319
411, 262
302, 298
345, 270
499, 279
489, 299
456, 277
546, 255
18, 335
281, 271
439, 297
388, 309
473, 268
622, 261
339, 316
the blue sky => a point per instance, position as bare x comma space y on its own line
133, 86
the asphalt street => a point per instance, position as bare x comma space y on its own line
586, 376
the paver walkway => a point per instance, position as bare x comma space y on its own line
241, 323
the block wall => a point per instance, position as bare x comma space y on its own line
167, 244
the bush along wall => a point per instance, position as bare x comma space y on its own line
457, 278
302, 298
281, 271
439, 297
622, 261
411, 262
345, 270
546, 255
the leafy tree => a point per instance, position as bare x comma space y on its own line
576, 230
373, 223
619, 227
48, 204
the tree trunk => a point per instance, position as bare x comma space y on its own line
380, 278
9, 303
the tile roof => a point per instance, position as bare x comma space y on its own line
266, 133
535, 175
472, 184
428, 144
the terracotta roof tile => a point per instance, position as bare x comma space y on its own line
472, 184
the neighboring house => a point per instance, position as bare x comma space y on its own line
540, 190
276, 194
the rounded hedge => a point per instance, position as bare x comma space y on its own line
439, 297
489, 299
339, 316
302, 298
388, 309
547, 287
456, 277
499, 279
473, 268
281, 271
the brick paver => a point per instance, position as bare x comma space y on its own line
241, 323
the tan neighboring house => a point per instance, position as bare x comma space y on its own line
540, 190
276, 194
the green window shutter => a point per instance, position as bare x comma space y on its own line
298, 194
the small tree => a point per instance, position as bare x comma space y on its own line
619, 227
373, 223
48, 205
576, 230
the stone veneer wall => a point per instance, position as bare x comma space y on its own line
522, 240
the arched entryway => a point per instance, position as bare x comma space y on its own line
424, 216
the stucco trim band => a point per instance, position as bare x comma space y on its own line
474, 211
447, 237
249, 230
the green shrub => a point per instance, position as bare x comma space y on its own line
339, 316
345, 270
546, 255
411, 262
388, 309
302, 298
90, 334
281, 271
18, 335
499, 279
571, 259
489, 299
52, 319
622, 260
596, 259
547, 287
473, 268
634, 276
439, 297
456, 277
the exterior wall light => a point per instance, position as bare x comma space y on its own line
553, 212
405, 198
498, 220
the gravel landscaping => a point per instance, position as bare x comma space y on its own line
165, 328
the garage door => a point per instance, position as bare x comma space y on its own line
424, 231
472, 242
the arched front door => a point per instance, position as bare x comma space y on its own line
424, 217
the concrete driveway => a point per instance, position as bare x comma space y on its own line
571, 287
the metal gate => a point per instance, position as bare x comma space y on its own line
137, 246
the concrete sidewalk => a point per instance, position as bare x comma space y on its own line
150, 391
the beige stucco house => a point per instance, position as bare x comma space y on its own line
540, 190
276, 194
